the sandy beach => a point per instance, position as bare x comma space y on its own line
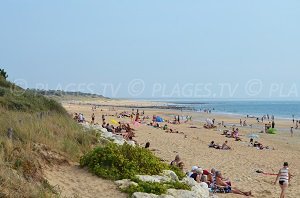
239, 164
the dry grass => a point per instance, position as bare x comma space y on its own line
21, 173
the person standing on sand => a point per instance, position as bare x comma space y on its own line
93, 118
273, 124
284, 178
292, 132
297, 125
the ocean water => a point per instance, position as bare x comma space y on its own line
280, 109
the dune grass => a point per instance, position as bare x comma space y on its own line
34, 119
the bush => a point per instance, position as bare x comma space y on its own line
116, 162
119, 162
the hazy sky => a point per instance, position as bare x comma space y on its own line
154, 48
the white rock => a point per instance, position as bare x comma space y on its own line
97, 127
125, 183
197, 192
189, 181
132, 143
153, 178
171, 174
182, 193
119, 142
166, 196
200, 191
107, 134
143, 195
104, 130
204, 185
118, 137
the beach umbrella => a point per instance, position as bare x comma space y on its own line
253, 136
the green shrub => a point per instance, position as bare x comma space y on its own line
119, 162
113, 161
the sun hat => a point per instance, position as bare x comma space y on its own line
194, 168
199, 170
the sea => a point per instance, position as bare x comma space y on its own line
254, 108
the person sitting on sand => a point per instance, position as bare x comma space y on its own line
147, 145
176, 161
213, 145
197, 175
225, 146
225, 132
251, 142
227, 188
181, 166
165, 127
194, 168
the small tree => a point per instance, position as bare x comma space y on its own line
3, 73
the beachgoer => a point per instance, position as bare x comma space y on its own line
227, 188
93, 118
181, 166
212, 144
273, 124
292, 132
225, 146
197, 175
147, 145
176, 161
251, 142
284, 178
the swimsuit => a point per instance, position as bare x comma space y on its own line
283, 176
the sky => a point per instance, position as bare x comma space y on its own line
153, 48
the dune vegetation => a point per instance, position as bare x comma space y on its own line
35, 131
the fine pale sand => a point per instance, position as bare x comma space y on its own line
73, 181
239, 164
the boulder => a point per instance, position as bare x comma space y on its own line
118, 137
143, 195
132, 143
119, 142
197, 192
182, 193
125, 183
107, 134
170, 174
153, 178
200, 191
104, 130
165, 196
97, 127
189, 181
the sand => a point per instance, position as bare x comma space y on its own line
239, 164
73, 181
